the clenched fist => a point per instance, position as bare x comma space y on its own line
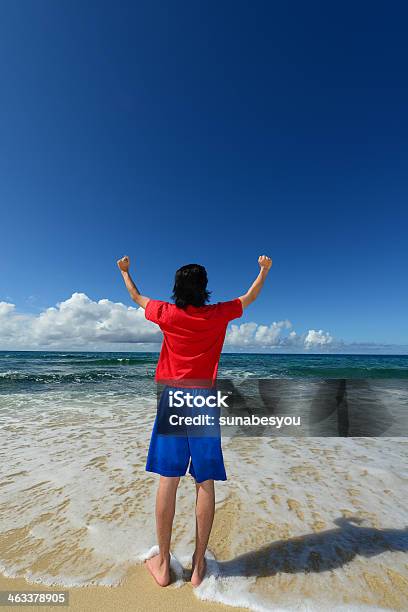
123, 263
265, 262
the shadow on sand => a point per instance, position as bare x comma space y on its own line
317, 552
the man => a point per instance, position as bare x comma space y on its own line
194, 334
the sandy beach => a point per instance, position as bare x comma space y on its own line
302, 523
322, 528
138, 592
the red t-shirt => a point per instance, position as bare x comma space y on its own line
193, 339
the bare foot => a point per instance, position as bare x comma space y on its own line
198, 570
159, 569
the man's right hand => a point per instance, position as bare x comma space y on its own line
265, 263
124, 263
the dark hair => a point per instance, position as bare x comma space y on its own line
190, 286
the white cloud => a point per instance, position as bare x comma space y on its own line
252, 335
82, 323
317, 338
6, 308
78, 322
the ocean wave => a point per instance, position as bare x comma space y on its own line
59, 377
115, 361
81, 358
38, 355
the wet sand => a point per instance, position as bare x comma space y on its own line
138, 592
315, 522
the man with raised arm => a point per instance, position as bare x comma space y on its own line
193, 336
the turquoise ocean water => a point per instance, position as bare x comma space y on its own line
108, 372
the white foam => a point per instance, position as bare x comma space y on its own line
72, 466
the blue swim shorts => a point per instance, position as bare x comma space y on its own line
176, 446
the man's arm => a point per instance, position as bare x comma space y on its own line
134, 292
250, 296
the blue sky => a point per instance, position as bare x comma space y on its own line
209, 132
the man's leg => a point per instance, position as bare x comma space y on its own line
159, 565
205, 506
